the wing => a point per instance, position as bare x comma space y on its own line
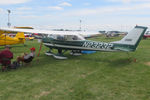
25, 30
82, 33
38, 31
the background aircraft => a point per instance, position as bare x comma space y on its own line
147, 35
7, 40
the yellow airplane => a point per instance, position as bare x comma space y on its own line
27, 37
7, 40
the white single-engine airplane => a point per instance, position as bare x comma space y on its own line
76, 43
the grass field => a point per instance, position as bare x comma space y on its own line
98, 76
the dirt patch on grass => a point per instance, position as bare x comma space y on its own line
87, 74
147, 63
44, 93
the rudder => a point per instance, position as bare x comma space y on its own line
20, 35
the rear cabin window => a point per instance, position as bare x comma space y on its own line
72, 38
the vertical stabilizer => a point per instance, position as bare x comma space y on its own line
132, 39
20, 35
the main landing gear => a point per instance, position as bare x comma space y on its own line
76, 52
59, 55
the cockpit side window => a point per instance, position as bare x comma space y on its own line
72, 38
66, 37
51, 36
59, 37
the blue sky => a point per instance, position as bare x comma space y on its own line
95, 14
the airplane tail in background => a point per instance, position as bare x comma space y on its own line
131, 40
20, 35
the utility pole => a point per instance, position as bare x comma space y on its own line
9, 24
80, 25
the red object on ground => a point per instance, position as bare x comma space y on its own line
6, 54
32, 49
134, 60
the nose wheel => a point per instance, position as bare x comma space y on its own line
49, 53
75, 52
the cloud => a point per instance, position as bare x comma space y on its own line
128, 1
24, 8
29, 16
55, 8
65, 4
10, 2
60, 6
1, 10
109, 10
86, 4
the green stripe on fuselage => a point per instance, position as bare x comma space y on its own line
80, 45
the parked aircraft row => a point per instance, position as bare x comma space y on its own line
7, 40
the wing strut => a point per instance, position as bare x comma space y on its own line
39, 51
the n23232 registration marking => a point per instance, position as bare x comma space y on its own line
97, 45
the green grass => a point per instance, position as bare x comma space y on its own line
99, 76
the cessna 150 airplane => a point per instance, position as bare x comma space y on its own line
7, 40
75, 42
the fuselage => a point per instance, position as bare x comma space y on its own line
77, 42
80, 45
6, 40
